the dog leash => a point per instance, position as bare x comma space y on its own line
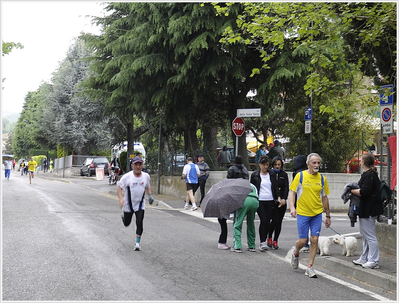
333, 230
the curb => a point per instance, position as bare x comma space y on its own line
369, 276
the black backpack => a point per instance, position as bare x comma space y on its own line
385, 194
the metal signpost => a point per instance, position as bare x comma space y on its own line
238, 127
386, 107
308, 126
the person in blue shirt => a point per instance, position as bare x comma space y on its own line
260, 152
190, 173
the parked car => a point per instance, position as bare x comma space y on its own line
251, 155
90, 164
177, 162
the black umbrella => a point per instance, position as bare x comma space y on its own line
225, 197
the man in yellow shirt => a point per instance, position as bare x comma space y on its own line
31, 169
312, 190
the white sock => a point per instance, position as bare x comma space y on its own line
194, 205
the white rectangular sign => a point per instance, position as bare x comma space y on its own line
386, 119
308, 126
248, 112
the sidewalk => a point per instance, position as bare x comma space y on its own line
383, 278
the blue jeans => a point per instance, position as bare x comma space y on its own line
7, 173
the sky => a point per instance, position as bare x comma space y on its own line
47, 30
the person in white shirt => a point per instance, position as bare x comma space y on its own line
135, 183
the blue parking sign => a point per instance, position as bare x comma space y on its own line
386, 94
308, 113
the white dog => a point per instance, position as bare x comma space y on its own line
324, 246
348, 244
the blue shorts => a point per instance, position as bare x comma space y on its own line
304, 223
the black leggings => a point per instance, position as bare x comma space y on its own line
265, 212
127, 219
223, 227
277, 221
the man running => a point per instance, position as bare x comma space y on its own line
32, 164
310, 185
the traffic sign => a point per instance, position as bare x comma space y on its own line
308, 126
308, 113
248, 112
386, 94
386, 119
238, 126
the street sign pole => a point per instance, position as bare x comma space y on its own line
238, 128
308, 124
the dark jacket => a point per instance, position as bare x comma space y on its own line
299, 165
237, 171
371, 205
283, 184
256, 180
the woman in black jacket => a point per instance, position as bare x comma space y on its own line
279, 209
370, 209
265, 181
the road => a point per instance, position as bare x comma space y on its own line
66, 242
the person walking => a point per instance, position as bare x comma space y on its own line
13, 164
45, 164
276, 150
7, 168
190, 173
248, 210
51, 165
32, 164
309, 209
280, 209
262, 151
236, 171
265, 181
224, 157
22, 167
300, 165
370, 209
135, 183
204, 175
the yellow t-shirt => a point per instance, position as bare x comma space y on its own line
32, 165
309, 193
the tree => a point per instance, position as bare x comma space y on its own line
72, 119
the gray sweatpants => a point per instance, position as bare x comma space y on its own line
371, 252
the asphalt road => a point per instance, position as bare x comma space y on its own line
66, 242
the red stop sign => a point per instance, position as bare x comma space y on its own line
238, 126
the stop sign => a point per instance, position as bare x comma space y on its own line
238, 126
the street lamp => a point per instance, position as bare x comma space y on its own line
26, 121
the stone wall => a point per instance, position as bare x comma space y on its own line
174, 186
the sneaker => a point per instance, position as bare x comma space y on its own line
359, 261
310, 272
263, 247
294, 261
223, 246
194, 208
275, 246
251, 249
185, 207
269, 242
137, 246
305, 248
237, 250
371, 265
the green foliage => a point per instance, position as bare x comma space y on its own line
7, 47
122, 160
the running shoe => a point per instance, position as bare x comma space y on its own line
270, 242
310, 272
263, 247
251, 249
237, 250
305, 248
275, 246
185, 207
137, 246
359, 261
194, 208
223, 246
371, 265
294, 261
